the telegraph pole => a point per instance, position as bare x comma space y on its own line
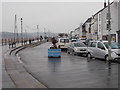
109, 36
37, 33
21, 32
15, 29
44, 34
26, 34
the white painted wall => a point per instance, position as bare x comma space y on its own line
94, 27
119, 15
114, 19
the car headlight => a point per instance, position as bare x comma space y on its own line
114, 54
76, 49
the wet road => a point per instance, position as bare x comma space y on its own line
68, 71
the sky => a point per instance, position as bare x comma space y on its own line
55, 17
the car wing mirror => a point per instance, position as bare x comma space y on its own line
103, 48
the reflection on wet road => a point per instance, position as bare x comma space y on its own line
68, 71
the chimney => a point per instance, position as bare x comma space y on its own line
104, 3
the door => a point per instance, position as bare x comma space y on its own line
92, 49
100, 52
70, 48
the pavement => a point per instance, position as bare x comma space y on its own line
14, 74
6, 80
69, 71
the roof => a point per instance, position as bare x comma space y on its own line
102, 9
88, 20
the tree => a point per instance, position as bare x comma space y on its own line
61, 34
66, 34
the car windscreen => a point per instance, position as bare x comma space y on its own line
79, 45
83, 39
73, 40
64, 40
113, 45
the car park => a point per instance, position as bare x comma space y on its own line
63, 43
99, 49
77, 48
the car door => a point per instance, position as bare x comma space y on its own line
92, 49
70, 47
100, 50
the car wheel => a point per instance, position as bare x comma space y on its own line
59, 57
68, 52
85, 55
73, 53
89, 57
106, 58
58, 46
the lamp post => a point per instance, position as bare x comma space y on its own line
21, 32
26, 34
37, 34
109, 36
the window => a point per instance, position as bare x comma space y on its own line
93, 44
73, 40
113, 45
107, 15
79, 45
64, 40
100, 45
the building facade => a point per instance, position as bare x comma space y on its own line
114, 22
118, 22
87, 29
99, 24
96, 27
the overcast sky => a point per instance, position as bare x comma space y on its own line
53, 16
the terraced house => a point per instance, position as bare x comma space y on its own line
96, 26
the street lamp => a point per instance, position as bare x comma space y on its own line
21, 32
37, 34
109, 36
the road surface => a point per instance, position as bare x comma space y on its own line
69, 71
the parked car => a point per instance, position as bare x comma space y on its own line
99, 49
63, 43
87, 41
81, 40
77, 48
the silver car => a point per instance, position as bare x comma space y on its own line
99, 49
77, 48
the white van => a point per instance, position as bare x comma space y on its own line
63, 43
